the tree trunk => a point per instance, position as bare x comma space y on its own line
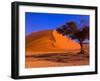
81, 51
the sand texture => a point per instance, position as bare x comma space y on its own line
48, 48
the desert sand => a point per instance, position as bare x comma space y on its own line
49, 41
48, 48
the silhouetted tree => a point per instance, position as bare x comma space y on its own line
81, 35
72, 31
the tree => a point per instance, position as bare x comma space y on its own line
70, 29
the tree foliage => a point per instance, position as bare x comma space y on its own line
70, 29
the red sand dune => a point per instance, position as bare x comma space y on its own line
49, 41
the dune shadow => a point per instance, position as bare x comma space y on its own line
60, 57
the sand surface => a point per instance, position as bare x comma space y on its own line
49, 41
58, 59
51, 49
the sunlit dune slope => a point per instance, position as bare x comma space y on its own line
49, 41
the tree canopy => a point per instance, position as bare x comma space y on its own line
70, 29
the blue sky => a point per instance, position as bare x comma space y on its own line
43, 21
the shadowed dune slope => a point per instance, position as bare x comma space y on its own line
49, 41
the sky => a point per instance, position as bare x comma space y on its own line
43, 21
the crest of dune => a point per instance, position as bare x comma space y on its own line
50, 41
64, 42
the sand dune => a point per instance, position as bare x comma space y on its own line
48, 48
49, 41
